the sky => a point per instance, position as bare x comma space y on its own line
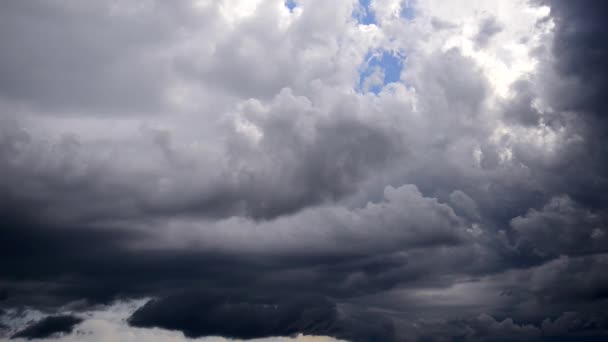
303, 170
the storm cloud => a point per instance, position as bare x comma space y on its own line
49, 326
379, 170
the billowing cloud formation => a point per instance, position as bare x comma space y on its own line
237, 317
379, 170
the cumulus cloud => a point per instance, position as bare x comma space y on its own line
378, 170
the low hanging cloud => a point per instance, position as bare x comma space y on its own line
49, 326
379, 170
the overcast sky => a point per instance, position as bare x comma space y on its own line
304, 170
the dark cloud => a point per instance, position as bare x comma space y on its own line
72, 261
521, 109
295, 172
48, 327
287, 172
561, 227
574, 326
265, 197
580, 50
572, 83
566, 280
240, 316
569, 326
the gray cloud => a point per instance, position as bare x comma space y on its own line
49, 326
488, 28
221, 158
237, 317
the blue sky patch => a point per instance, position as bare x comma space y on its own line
290, 4
407, 10
364, 13
380, 68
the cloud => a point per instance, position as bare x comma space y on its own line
562, 227
235, 316
435, 172
49, 326
488, 28
109, 323
337, 250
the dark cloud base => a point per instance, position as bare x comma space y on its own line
48, 327
239, 316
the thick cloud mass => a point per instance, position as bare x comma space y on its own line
49, 326
380, 170
233, 316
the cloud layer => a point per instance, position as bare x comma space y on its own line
377, 170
